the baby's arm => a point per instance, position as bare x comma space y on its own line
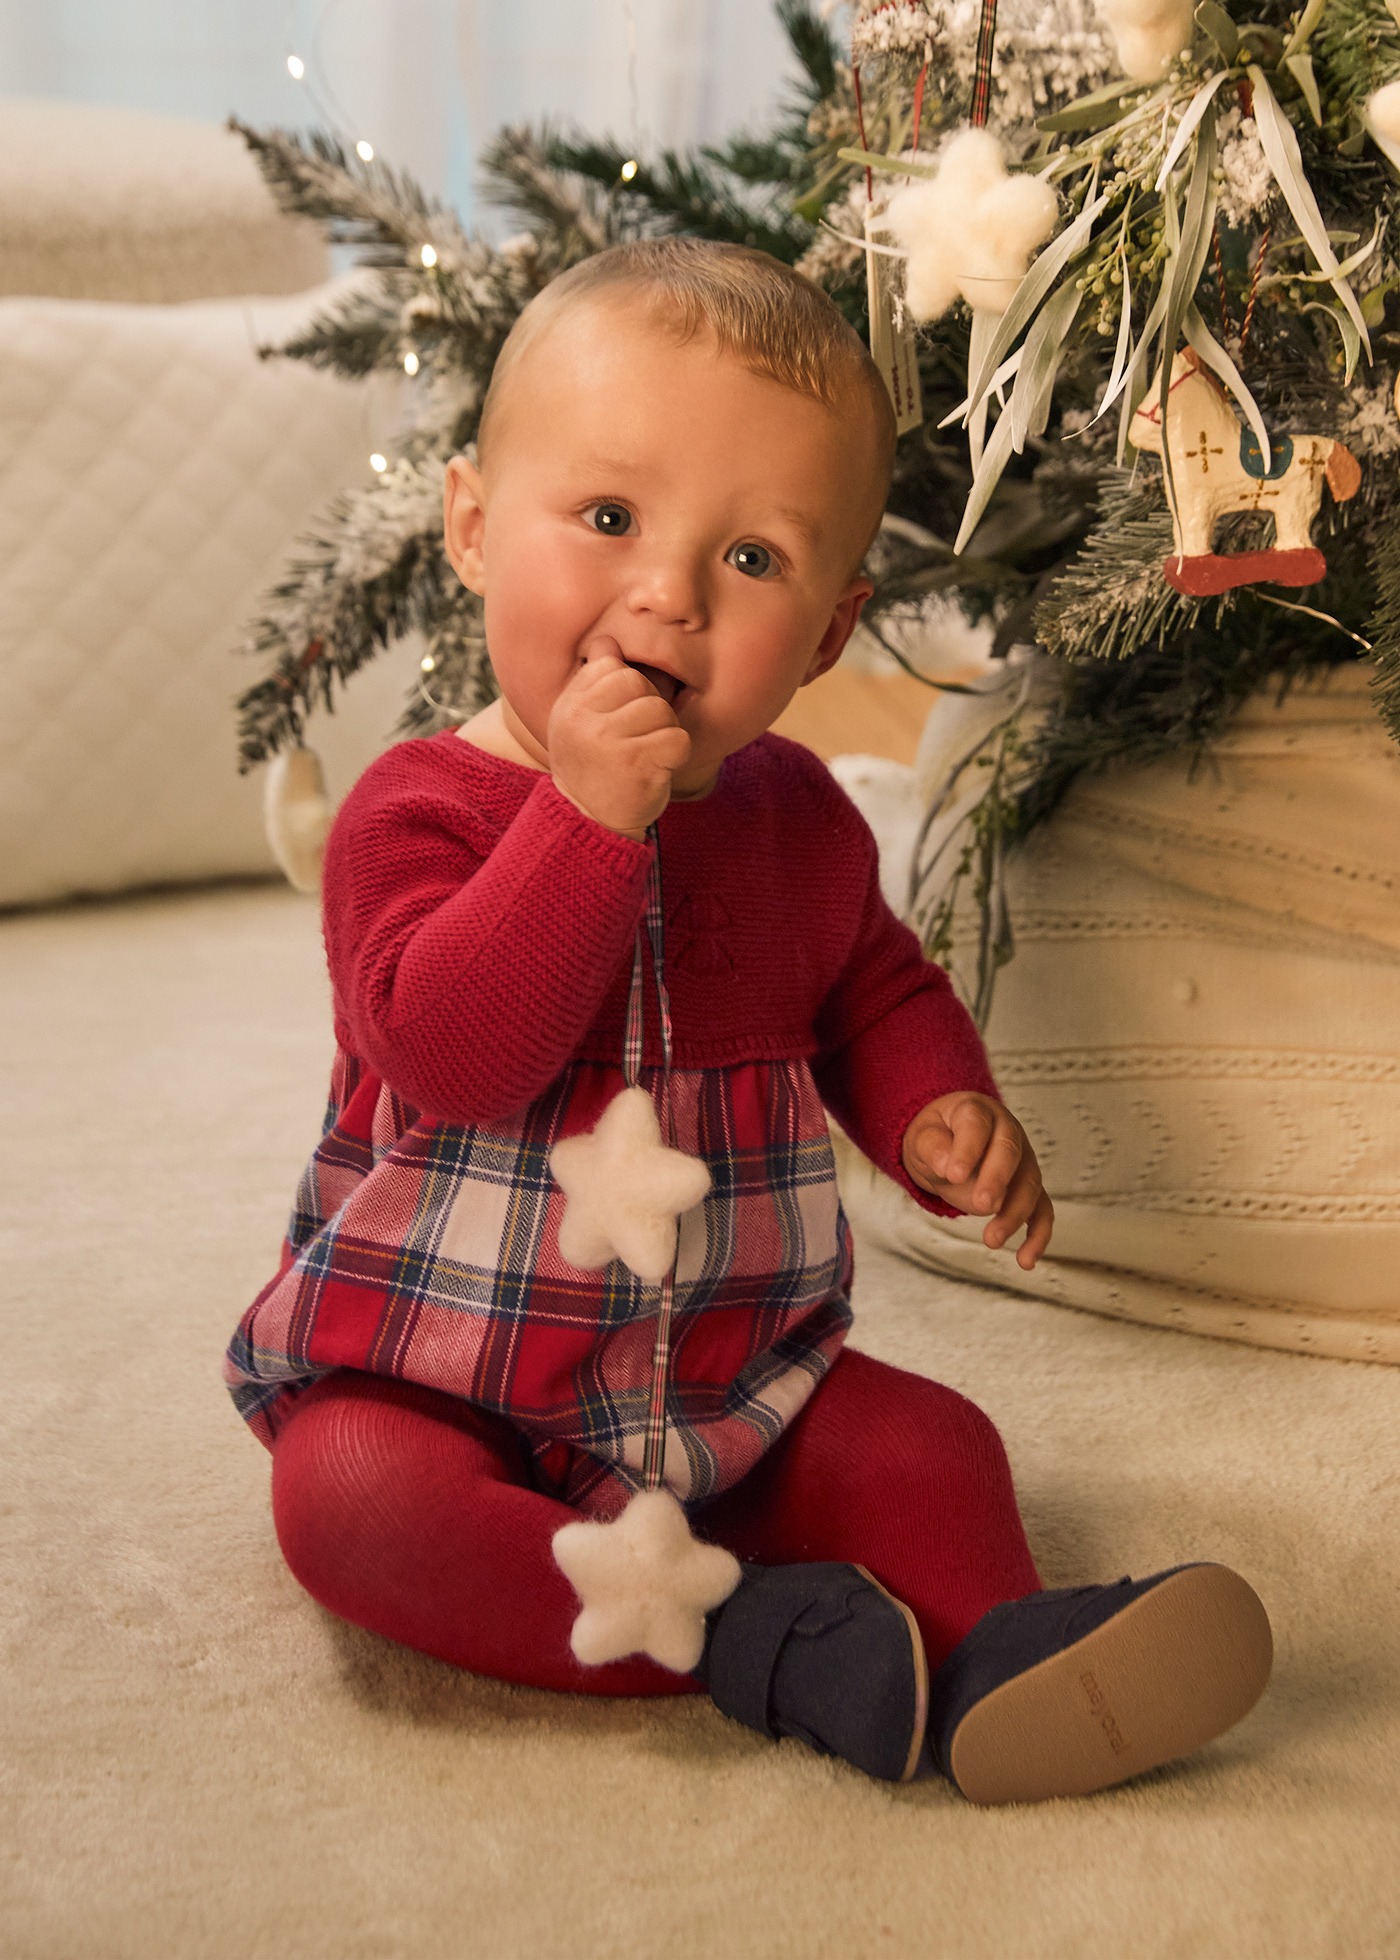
904, 1071
467, 965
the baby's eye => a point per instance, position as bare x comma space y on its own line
754, 561
613, 520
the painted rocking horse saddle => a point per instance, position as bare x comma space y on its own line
1252, 456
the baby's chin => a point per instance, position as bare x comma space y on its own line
690, 785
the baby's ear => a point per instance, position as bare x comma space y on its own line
464, 521
840, 627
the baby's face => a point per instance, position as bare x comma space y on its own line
659, 495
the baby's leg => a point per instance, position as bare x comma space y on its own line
410, 1513
893, 1472
1035, 1694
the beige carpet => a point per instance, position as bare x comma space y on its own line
197, 1761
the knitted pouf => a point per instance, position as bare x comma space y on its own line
1199, 1031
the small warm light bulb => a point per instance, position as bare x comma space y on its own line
296, 67
364, 151
629, 170
427, 663
429, 255
410, 362
378, 463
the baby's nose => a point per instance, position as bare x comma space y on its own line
670, 588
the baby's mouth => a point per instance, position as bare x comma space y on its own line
666, 685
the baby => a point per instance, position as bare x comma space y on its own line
683, 457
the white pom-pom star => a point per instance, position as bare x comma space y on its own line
625, 1190
971, 229
646, 1584
1149, 34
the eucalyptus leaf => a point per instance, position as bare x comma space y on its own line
1300, 68
994, 460
1032, 290
1118, 373
893, 166
1035, 383
1284, 159
1215, 22
1093, 111
1218, 361
1186, 128
1135, 381
1183, 275
1303, 32
1340, 321
996, 384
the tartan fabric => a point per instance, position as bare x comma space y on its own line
429, 1252
982, 72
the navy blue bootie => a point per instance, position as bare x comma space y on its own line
1066, 1692
822, 1652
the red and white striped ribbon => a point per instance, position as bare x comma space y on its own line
654, 1441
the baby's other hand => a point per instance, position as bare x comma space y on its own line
614, 743
972, 1153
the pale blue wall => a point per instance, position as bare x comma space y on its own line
424, 80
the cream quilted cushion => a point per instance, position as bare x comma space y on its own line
101, 203
1200, 1031
152, 474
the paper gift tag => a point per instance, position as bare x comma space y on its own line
891, 330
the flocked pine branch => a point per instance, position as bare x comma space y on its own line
382, 212
371, 571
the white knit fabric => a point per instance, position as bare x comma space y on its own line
1199, 1032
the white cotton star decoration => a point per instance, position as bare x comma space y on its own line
969, 230
625, 1190
645, 1583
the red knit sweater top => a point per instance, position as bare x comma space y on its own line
480, 929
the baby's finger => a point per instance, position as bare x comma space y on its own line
600, 650
972, 1124
932, 1142
641, 714
667, 748
1000, 1163
1017, 1205
1038, 1236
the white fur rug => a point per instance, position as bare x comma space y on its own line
199, 1762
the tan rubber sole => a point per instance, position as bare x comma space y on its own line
1168, 1674
916, 1642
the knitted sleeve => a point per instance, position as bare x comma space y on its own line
466, 964
893, 1035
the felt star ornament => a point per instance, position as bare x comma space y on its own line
646, 1584
624, 1190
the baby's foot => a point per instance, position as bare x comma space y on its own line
1062, 1693
824, 1653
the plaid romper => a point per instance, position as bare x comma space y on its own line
428, 1250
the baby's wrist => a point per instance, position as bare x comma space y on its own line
618, 830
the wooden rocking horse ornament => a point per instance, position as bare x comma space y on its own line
1217, 467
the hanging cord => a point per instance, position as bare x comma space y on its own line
654, 1443
1254, 286
982, 77
1227, 325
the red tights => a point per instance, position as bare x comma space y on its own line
413, 1514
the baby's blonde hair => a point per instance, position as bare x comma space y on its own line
772, 319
